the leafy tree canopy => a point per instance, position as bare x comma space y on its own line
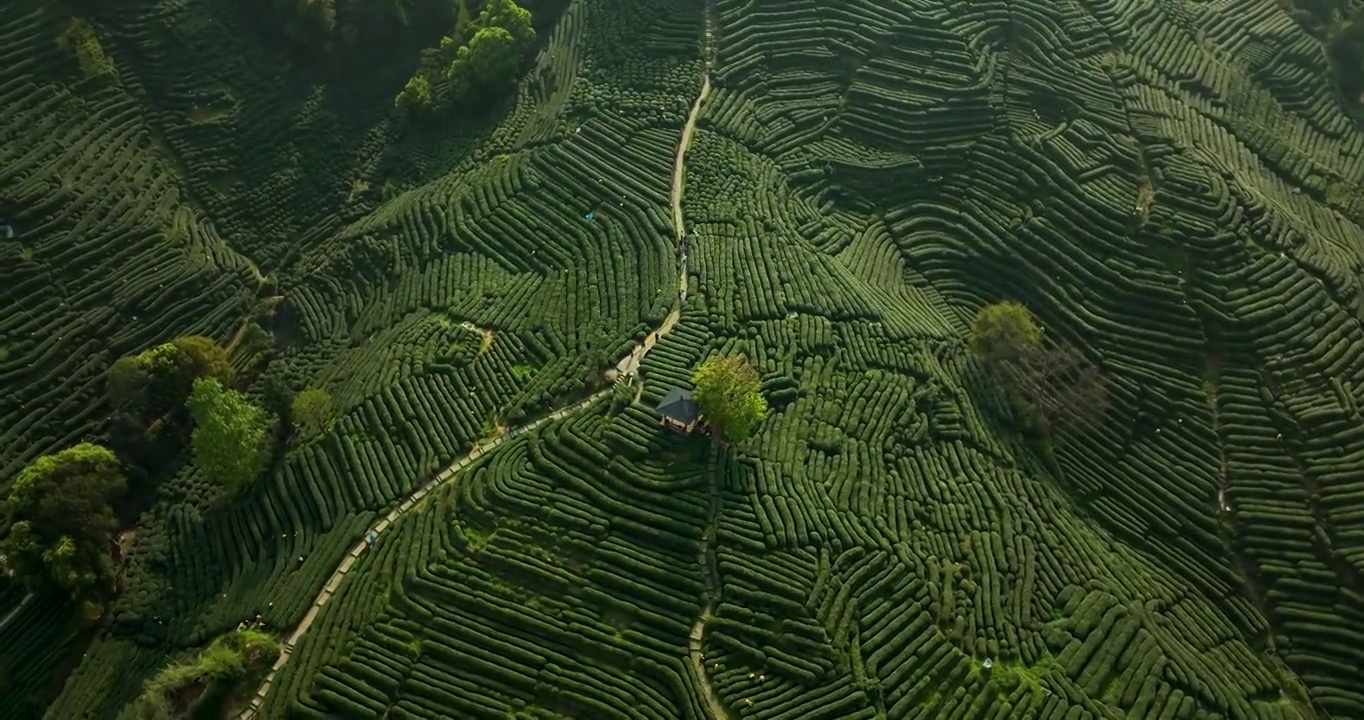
128, 378
313, 412
158, 379
728, 393
230, 443
1004, 331
481, 56
1049, 388
197, 356
59, 521
488, 62
509, 16
415, 96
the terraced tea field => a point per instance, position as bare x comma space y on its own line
498, 300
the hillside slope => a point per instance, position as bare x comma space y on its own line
1173, 188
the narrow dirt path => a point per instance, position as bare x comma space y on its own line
696, 655
706, 555
627, 367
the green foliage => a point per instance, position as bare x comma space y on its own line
509, 16
157, 380
128, 378
197, 356
313, 412
80, 38
230, 435
1048, 388
59, 521
1004, 331
727, 391
487, 63
219, 669
415, 96
480, 57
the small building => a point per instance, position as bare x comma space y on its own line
679, 410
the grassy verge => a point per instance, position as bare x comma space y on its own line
203, 686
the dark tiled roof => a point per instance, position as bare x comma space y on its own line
679, 405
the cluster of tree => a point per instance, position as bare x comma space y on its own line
59, 523
730, 396
146, 392
61, 511
1050, 388
479, 59
154, 384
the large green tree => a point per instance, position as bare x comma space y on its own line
727, 391
313, 412
509, 16
59, 522
1004, 331
197, 356
157, 380
1049, 388
487, 63
230, 436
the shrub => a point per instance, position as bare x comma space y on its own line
80, 38
415, 96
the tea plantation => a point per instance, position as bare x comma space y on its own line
1173, 188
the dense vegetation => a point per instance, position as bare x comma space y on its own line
730, 396
59, 524
204, 685
1030, 332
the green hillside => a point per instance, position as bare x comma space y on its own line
484, 248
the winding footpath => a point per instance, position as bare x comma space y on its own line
696, 656
626, 368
